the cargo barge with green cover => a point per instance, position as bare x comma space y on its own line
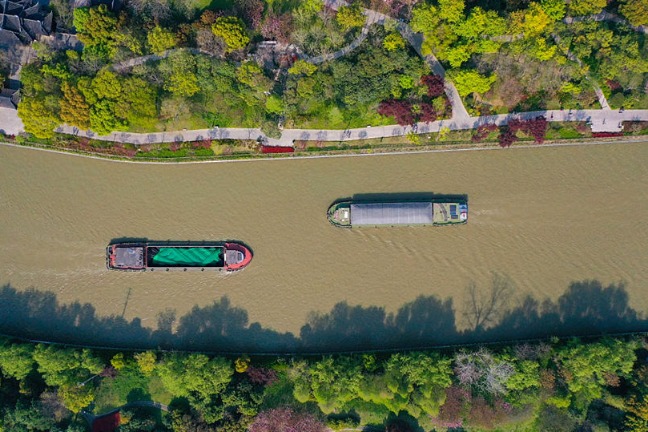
448, 210
172, 256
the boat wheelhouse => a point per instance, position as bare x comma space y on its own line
160, 256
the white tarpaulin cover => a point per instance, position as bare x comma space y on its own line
406, 213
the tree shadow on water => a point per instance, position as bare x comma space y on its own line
586, 308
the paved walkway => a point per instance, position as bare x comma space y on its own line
601, 120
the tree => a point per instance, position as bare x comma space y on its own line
146, 362
435, 85
274, 105
38, 116
586, 7
400, 110
636, 11
16, 360
285, 419
393, 42
103, 117
74, 109
138, 102
180, 74
65, 366
451, 11
106, 85
232, 31
277, 27
587, 367
251, 11
350, 17
302, 67
554, 8
160, 40
195, 375
97, 28
470, 81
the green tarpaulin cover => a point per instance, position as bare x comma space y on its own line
191, 257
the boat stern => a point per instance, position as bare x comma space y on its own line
126, 257
237, 256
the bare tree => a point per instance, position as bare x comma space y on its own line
481, 371
157, 10
483, 309
209, 43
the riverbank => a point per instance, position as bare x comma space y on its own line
317, 151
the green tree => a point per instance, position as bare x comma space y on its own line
16, 360
393, 42
106, 85
39, 115
636, 11
232, 31
138, 103
586, 7
536, 20
350, 17
180, 74
146, 362
160, 39
451, 11
74, 109
97, 28
335, 382
104, 118
194, 375
302, 67
588, 368
470, 81
556, 9
274, 105
251, 74
26, 416
65, 366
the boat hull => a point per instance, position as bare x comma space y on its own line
178, 256
440, 211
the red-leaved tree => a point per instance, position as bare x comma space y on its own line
262, 376
428, 113
435, 85
277, 27
286, 420
400, 110
482, 132
506, 137
536, 127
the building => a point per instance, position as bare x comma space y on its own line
23, 21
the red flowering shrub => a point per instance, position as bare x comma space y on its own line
286, 420
276, 149
606, 134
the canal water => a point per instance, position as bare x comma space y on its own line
556, 243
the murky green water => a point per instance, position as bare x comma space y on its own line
541, 218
